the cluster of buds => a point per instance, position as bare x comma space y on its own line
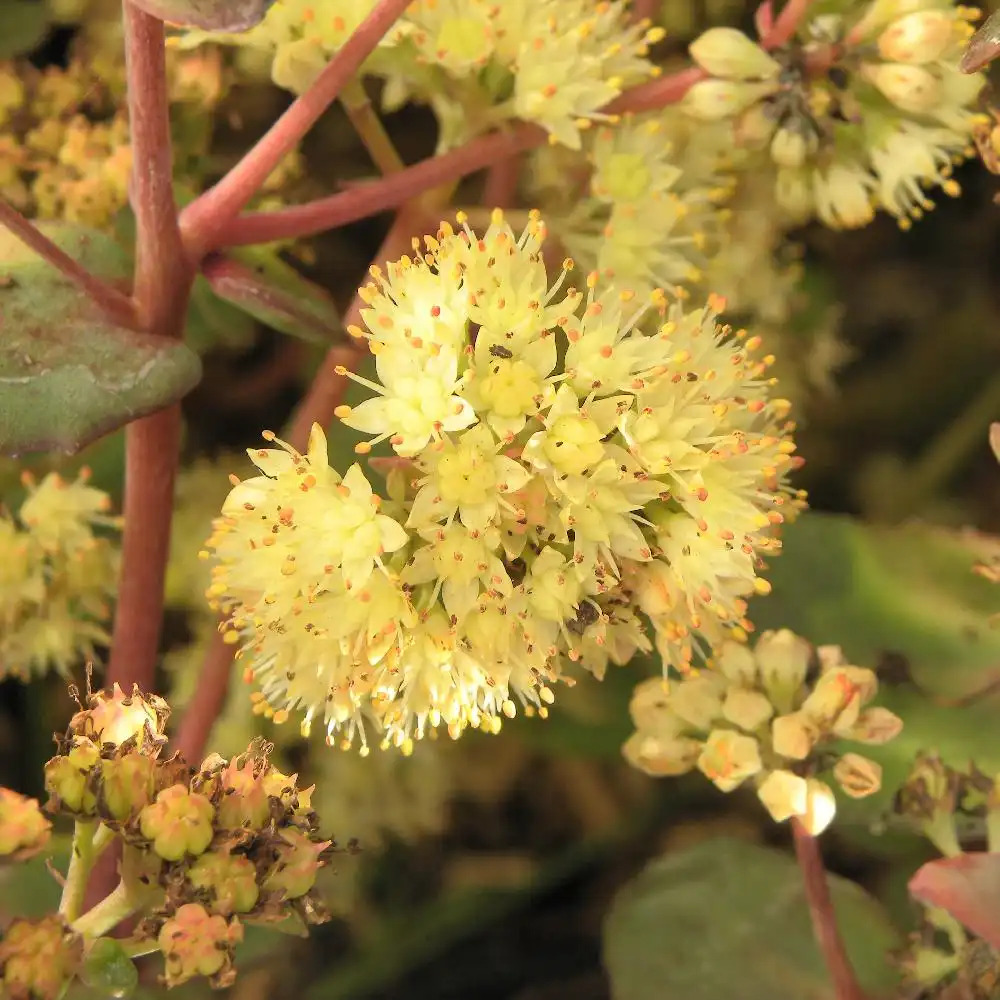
24, 831
203, 850
57, 575
770, 715
947, 804
862, 111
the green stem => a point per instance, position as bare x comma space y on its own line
81, 861
136, 949
370, 129
108, 913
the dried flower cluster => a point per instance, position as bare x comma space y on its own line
203, 850
767, 715
56, 576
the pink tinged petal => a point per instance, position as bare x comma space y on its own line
967, 887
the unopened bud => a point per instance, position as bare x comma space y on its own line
69, 778
231, 879
715, 100
858, 776
294, 871
821, 807
650, 706
747, 709
836, 700
729, 758
793, 192
195, 942
783, 659
920, 37
661, 757
24, 831
39, 958
127, 785
735, 661
875, 726
179, 822
784, 795
793, 736
728, 53
791, 147
698, 700
910, 88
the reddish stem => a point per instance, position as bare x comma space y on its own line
161, 289
317, 406
114, 304
645, 10
378, 196
219, 205
657, 93
824, 919
786, 24
501, 182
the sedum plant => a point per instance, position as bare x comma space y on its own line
573, 426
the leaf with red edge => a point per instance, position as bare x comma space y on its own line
212, 15
967, 887
68, 375
277, 295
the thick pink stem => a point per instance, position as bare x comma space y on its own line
786, 24
114, 304
161, 288
215, 209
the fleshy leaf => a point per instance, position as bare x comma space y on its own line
109, 970
212, 15
276, 295
68, 374
727, 919
967, 887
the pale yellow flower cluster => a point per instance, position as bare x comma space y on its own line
476, 62
866, 109
570, 463
766, 716
56, 577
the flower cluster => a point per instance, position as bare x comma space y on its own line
865, 110
204, 850
38, 958
24, 831
56, 576
478, 63
566, 461
766, 715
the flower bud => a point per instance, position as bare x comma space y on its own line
715, 100
836, 700
197, 943
729, 758
68, 779
294, 871
39, 958
23, 829
650, 705
661, 757
244, 801
230, 878
919, 37
875, 726
784, 795
793, 736
179, 822
793, 193
127, 785
736, 662
783, 659
746, 709
858, 776
910, 88
821, 807
698, 700
791, 147
727, 52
